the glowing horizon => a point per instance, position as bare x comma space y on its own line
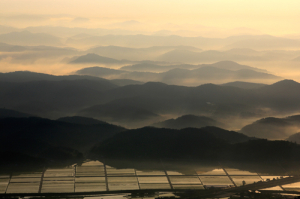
259, 17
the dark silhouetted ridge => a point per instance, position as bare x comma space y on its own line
200, 144
52, 98
294, 138
99, 71
273, 128
4, 113
72, 135
125, 82
285, 84
244, 85
230, 136
186, 121
27, 76
94, 58
81, 120
118, 112
154, 84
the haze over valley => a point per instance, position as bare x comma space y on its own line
124, 85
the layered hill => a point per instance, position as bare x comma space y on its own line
244, 85
199, 144
31, 53
123, 114
80, 120
59, 96
125, 82
28, 38
223, 102
273, 128
186, 121
256, 42
27, 76
94, 58
101, 72
41, 48
265, 42
54, 97
150, 67
270, 95
234, 54
221, 72
136, 54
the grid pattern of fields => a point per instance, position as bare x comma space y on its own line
94, 176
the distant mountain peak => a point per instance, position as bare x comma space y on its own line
226, 62
244, 85
268, 120
94, 58
212, 68
91, 55
154, 84
189, 116
188, 121
208, 85
286, 82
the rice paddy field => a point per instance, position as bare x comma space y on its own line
95, 176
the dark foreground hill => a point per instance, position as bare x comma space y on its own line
273, 128
60, 133
124, 82
4, 113
37, 141
294, 138
199, 144
152, 142
244, 85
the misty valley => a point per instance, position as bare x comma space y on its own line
125, 113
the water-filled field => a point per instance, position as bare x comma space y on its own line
95, 176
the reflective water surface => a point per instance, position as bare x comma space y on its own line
118, 175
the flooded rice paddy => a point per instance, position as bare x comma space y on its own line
95, 176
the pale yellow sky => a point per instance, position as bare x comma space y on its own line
275, 17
